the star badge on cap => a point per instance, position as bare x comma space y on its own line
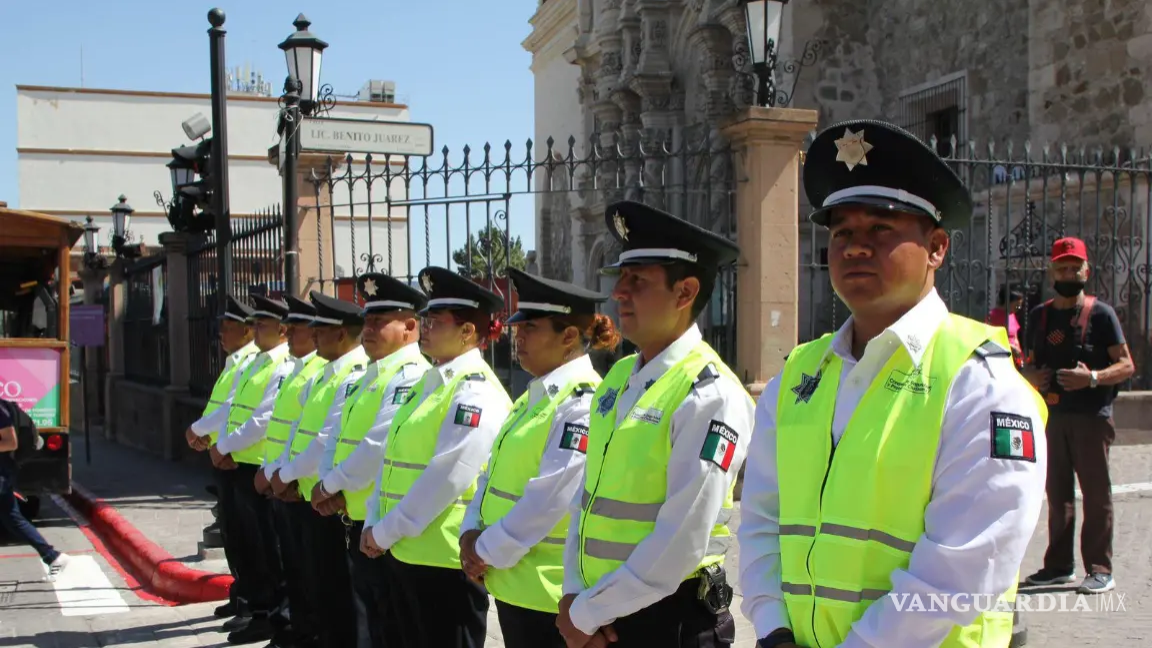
426, 282
852, 150
370, 287
621, 228
806, 388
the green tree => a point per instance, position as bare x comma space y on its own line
489, 243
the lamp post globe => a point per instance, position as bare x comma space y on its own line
91, 236
764, 18
121, 218
303, 52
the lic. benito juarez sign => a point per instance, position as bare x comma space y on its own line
326, 134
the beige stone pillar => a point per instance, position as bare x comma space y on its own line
117, 299
767, 143
179, 345
315, 238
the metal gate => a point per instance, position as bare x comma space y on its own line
1025, 198
469, 212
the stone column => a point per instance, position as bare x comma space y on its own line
179, 345
767, 141
315, 222
117, 299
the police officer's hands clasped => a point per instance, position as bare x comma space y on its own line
326, 503
470, 561
198, 444
368, 544
573, 636
282, 491
221, 461
261, 483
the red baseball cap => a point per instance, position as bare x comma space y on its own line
1069, 247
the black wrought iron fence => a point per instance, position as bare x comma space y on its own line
398, 214
146, 357
257, 268
1025, 198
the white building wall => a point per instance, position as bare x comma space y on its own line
79, 149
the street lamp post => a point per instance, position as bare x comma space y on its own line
764, 18
121, 218
302, 97
219, 174
93, 260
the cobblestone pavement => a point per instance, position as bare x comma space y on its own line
97, 607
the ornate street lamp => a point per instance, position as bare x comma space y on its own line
93, 260
764, 18
303, 52
121, 218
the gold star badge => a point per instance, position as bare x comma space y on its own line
621, 227
852, 149
370, 287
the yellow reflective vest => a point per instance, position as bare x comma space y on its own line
852, 514
321, 396
226, 382
249, 392
289, 406
626, 474
536, 582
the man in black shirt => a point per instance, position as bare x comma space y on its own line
11, 518
1078, 356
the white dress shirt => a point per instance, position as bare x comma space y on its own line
697, 489
297, 365
252, 430
546, 496
361, 467
982, 510
307, 463
461, 452
217, 419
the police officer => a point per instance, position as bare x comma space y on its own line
900, 461
354, 454
669, 428
240, 450
515, 528
336, 326
438, 443
305, 364
235, 334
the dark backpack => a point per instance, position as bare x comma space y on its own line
27, 436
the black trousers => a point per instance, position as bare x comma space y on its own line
255, 541
679, 621
524, 628
328, 582
370, 587
436, 607
227, 516
291, 519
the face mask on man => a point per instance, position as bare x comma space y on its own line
1069, 288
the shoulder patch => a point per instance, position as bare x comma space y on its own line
707, 375
1012, 437
719, 445
467, 415
575, 437
478, 376
991, 349
401, 395
351, 389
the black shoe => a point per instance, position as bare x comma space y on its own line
258, 629
229, 609
235, 623
1050, 577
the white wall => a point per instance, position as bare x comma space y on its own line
79, 150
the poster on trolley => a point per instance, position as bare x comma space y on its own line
30, 378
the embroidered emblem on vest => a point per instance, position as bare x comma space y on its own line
468, 415
1012, 437
401, 395
910, 381
648, 415
719, 445
604, 405
807, 387
553, 390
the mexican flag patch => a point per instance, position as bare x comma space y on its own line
401, 395
1012, 437
719, 445
468, 415
575, 437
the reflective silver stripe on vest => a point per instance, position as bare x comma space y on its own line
282, 421
617, 510
609, 550
404, 464
833, 593
216, 402
553, 541
400, 496
244, 407
503, 494
276, 441
350, 441
306, 432
844, 531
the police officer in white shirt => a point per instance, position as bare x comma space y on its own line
901, 461
669, 428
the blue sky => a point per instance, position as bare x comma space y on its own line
458, 63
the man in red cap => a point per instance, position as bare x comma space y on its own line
1078, 356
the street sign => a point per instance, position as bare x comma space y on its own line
327, 134
86, 325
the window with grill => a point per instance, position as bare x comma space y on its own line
937, 109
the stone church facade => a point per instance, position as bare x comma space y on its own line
990, 71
